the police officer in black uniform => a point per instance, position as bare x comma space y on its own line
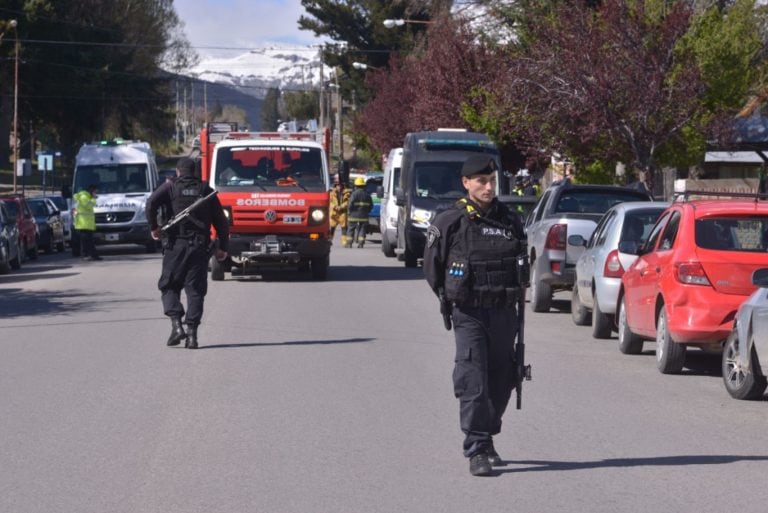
186, 248
470, 262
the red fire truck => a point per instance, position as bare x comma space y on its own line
274, 190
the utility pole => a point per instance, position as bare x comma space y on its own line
322, 91
16, 113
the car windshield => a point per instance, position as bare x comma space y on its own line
586, 201
439, 180
112, 178
39, 208
59, 201
747, 233
12, 208
269, 167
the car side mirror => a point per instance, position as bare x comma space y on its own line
577, 240
629, 247
760, 277
399, 198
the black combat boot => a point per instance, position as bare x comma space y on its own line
493, 457
479, 465
191, 337
177, 332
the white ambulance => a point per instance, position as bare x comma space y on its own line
125, 173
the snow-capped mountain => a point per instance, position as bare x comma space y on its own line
290, 68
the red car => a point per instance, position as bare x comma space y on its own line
691, 276
17, 207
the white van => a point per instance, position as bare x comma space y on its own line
388, 213
125, 173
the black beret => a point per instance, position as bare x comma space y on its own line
186, 166
478, 165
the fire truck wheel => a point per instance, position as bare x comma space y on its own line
320, 268
217, 269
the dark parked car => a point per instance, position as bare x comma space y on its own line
10, 255
17, 207
50, 227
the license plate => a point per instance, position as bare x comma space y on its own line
112, 237
292, 219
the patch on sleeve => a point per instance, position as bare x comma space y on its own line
433, 234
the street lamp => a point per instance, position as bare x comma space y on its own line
360, 65
401, 22
15, 108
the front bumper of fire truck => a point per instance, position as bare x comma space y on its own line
276, 248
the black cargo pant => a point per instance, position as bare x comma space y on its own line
484, 374
185, 266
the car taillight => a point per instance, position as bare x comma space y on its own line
691, 273
613, 268
556, 237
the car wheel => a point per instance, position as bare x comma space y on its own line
218, 269
629, 343
320, 268
579, 314
670, 356
541, 293
60, 247
386, 246
32, 252
740, 382
602, 323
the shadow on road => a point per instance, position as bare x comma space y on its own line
289, 343
16, 302
663, 461
337, 273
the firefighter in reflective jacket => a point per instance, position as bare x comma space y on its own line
186, 248
339, 201
360, 205
470, 262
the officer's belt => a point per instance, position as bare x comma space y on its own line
511, 296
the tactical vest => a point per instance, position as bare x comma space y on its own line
185, 191
481, 270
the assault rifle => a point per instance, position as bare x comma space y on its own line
187, 212
522, 371
446, 309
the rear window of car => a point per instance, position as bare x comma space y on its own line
12, 208
638, 224
594, 201
748, 233
59, 201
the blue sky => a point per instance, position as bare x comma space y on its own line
241, 24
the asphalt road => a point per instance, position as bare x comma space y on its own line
336, 396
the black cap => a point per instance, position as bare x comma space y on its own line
478, 165
186, 166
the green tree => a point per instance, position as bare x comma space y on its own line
92, 68
270, 113
302, 104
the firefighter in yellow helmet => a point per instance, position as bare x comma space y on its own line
339, 201
360, 206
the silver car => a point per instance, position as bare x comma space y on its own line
746, 350
600, 266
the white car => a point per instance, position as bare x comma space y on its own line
65, 210
600, 267
746, 350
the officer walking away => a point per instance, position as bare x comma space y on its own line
85, 221
339, 201
360, 205
186, 248
470, 262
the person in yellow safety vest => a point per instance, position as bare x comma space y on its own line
85, 221
339, 201
519, 191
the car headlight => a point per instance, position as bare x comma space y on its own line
316, 216
141, 214
421, 217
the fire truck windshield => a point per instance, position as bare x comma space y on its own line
266, 167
